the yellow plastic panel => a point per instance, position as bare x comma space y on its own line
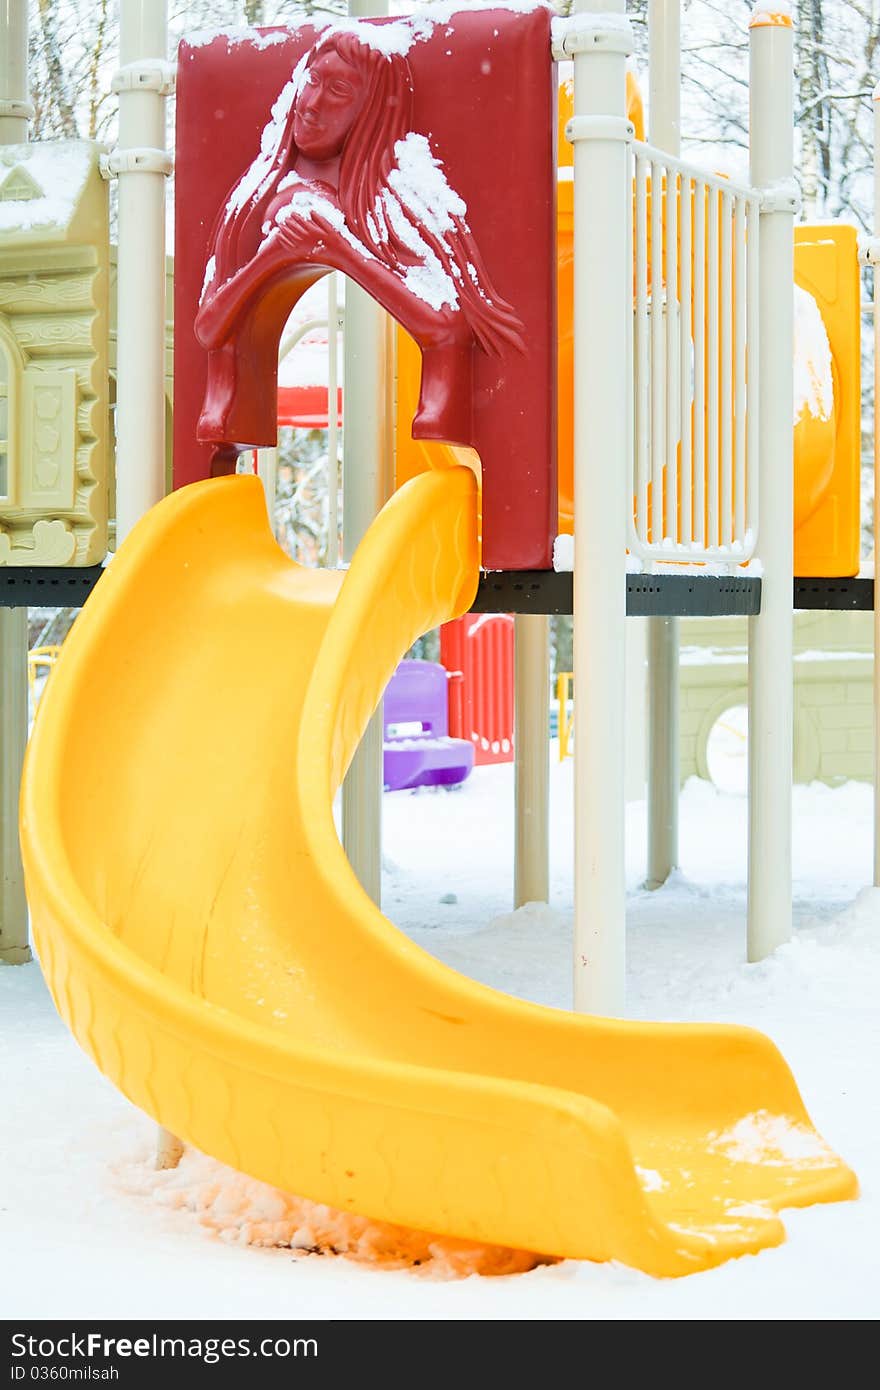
210, 947
827, 521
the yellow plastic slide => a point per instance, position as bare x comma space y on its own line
207, 942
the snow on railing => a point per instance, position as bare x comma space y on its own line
695, 363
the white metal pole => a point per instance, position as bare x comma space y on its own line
14, 949
142, 167
140, 395
366, 469
771, 145
332, 422
267, 472
875, 257
15, 106
15, 110
532, 754
664, 105
599, 131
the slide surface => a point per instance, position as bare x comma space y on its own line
207, 942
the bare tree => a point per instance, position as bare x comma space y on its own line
74, 48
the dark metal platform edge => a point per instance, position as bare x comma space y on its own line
669, 595
836, 595
647, 595
517, 591
47, 586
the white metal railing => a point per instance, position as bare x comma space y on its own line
695, 363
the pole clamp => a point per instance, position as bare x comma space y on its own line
591, 33
599, 128
153, 75
18, 110
140, 159
782, 196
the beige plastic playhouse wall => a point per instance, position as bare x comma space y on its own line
833, 674
54, 364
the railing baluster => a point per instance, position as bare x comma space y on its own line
712, 364
701, 527
739, 369
642, 367
684, 367
753, 374
658, 375
672, 355
726, 374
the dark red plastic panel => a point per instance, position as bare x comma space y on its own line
480, 89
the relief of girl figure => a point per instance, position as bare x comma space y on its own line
343, 181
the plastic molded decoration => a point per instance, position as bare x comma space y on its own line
339, 149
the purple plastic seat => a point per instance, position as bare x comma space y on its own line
418, 751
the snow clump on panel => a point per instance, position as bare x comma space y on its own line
813, 378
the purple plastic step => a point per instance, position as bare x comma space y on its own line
418, 751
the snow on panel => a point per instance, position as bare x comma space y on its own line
59, 170
813, 379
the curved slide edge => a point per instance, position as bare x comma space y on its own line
418, 1096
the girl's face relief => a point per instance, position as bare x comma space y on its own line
327, 107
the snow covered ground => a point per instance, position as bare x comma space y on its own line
88, 1229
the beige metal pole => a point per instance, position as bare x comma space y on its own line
771, 681
15, 111
875, 258
140, 408
15, 106
366, 483
532, 754
140, 398
664, 100
599, 130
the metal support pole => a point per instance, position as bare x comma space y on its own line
366, 468
15, 106
876, 265
332, 422
267, 472
771, 690
14, 949
663, 751
532, 753
140, 393
15, 111
602, 364
664, 98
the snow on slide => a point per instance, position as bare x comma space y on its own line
209, 946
